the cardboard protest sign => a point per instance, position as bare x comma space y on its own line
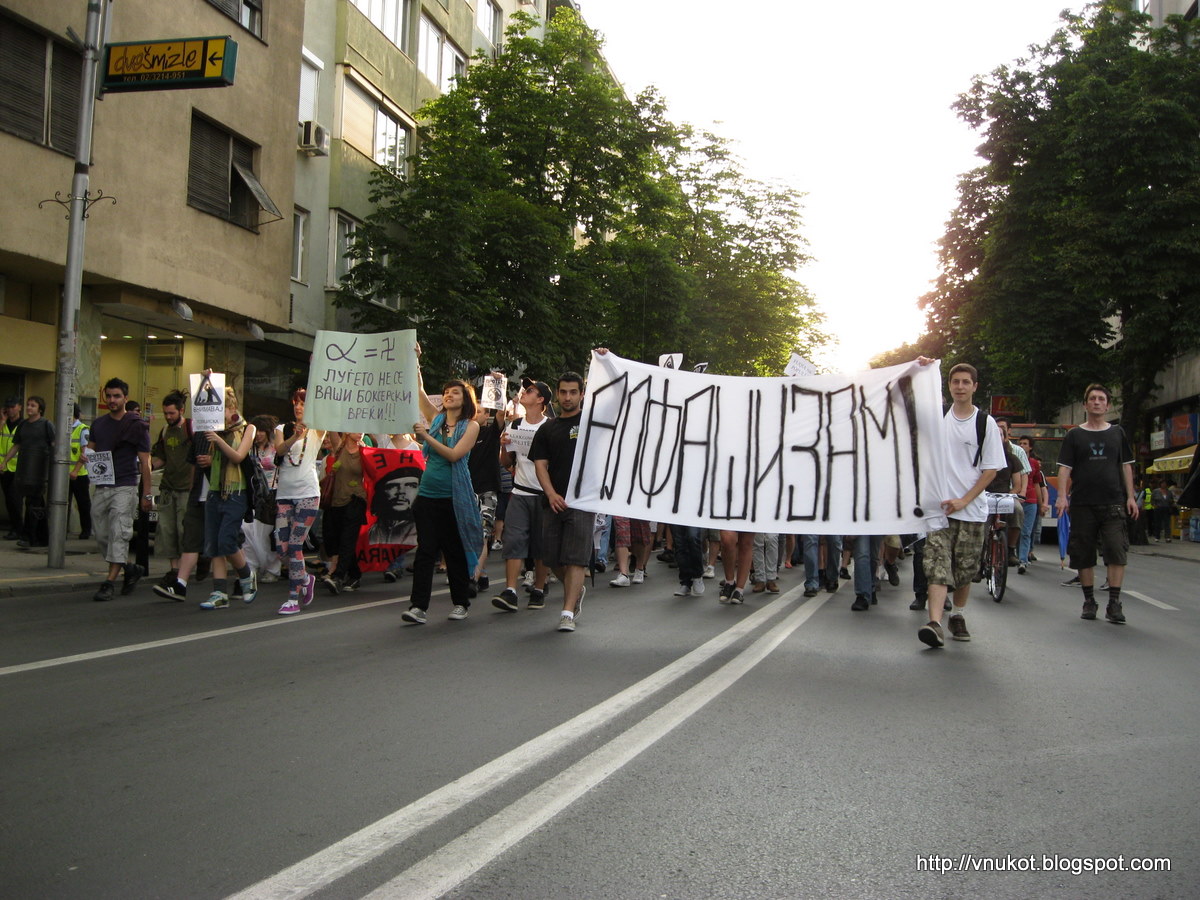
363, 382
494, 392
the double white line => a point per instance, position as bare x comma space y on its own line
448, 867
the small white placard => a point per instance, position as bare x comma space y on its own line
495, 390
100, 467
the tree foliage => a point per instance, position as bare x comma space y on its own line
1074, 252
546, 213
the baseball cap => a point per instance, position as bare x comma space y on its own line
13, 401
541, 387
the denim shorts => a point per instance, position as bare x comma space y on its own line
223, 523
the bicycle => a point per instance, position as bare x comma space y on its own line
993, 568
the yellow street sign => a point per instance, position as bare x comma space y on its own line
165, 65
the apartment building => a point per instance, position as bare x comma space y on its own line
189, 267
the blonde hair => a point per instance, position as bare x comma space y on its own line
231, 398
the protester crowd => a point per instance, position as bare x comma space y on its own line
280, 501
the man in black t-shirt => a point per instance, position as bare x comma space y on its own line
566, 532
1095, 483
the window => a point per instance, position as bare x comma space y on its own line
299, 243
221, 178
310, 82
490, 21
368, 126
247, 13
39, 87
390, 17
438, 59
344, 229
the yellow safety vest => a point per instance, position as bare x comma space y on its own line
76, 434
6, 442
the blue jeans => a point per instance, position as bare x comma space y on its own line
866, 559
1031, 519
810, 544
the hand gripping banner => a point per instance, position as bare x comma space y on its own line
825, 454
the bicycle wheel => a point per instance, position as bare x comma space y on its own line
998, 576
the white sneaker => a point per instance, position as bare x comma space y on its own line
579, 602
622, 580
710, 572
697, 586
458, 613
267, 578
566, 622
683, 591
638, 576
528, 580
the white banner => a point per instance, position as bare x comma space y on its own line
363, 382
829, 454
208, 402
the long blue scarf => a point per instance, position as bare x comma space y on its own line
462, 494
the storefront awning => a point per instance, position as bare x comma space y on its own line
1175, 461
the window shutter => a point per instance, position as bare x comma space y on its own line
66, 75
231, 8
209, 168
22, 81
310, 77
358, 118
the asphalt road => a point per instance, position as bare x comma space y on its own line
671, 747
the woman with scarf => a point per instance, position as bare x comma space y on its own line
446, 511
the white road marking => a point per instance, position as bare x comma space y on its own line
188, 638
1149, 600
325, 867
458, 860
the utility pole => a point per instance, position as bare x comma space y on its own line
68, 325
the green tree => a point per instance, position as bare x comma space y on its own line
546, 214
1074, 253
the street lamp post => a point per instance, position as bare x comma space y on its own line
68, 326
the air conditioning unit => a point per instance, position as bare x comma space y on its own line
314, 139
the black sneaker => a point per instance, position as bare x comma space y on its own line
931, 634
831, 587
482, 583
1114, 613
1089, 610
861, 603
726, 590
958, 628
507, 600
844, 573
390, 576
918, 603
1072, 582
169, 579
351, 584
893, 574
331, 584
105, 592
537, 599
133, 574
811, 592
176, 590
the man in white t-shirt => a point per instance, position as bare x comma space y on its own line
952, 554
523, 519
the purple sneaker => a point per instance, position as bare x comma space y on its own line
306, 593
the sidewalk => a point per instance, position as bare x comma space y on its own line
23, 571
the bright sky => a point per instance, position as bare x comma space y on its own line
850, 104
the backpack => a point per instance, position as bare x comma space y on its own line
261, 507
980, 433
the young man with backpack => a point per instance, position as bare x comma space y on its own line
973, 456
170, 453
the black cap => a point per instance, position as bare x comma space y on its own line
13, 401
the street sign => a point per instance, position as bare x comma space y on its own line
170, 65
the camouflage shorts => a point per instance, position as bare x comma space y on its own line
952, 554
